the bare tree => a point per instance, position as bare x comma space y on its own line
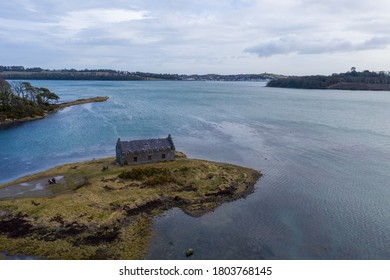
5, 93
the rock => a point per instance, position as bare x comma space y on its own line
189, 252
33, 202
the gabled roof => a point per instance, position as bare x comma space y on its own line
147, 145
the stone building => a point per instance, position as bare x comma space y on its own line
144, 151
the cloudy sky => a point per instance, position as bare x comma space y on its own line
291, 37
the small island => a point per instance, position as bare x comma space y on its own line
101, 210
20, 102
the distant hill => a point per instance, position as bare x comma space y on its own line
352, 80
37, 73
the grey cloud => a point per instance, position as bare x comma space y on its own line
293, 44
182, 36
374, 43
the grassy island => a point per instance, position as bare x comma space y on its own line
99, 210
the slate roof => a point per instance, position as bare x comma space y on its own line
147, 145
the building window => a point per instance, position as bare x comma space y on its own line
135, 159
149, 157
163, 156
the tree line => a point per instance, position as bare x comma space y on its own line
22, 100
37, 73
39, 69
324, 82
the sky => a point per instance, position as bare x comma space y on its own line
290, 37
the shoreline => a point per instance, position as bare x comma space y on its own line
97, 205
11, 122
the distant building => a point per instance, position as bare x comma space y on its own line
144, 151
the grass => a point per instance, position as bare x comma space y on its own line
106, 213
82, 101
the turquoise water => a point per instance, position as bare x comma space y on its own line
325, 156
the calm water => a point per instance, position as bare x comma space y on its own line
325, 156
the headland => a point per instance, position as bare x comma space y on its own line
351, 80
52, 109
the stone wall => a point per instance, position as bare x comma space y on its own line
141, 158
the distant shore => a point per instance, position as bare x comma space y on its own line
10, 122
360, 86
352, 80
37, 73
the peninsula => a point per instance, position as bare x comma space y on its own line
81, 101
351, 80
100, 210
20, 102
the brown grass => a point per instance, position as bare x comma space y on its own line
96, 214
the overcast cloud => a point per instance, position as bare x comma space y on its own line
180, 36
